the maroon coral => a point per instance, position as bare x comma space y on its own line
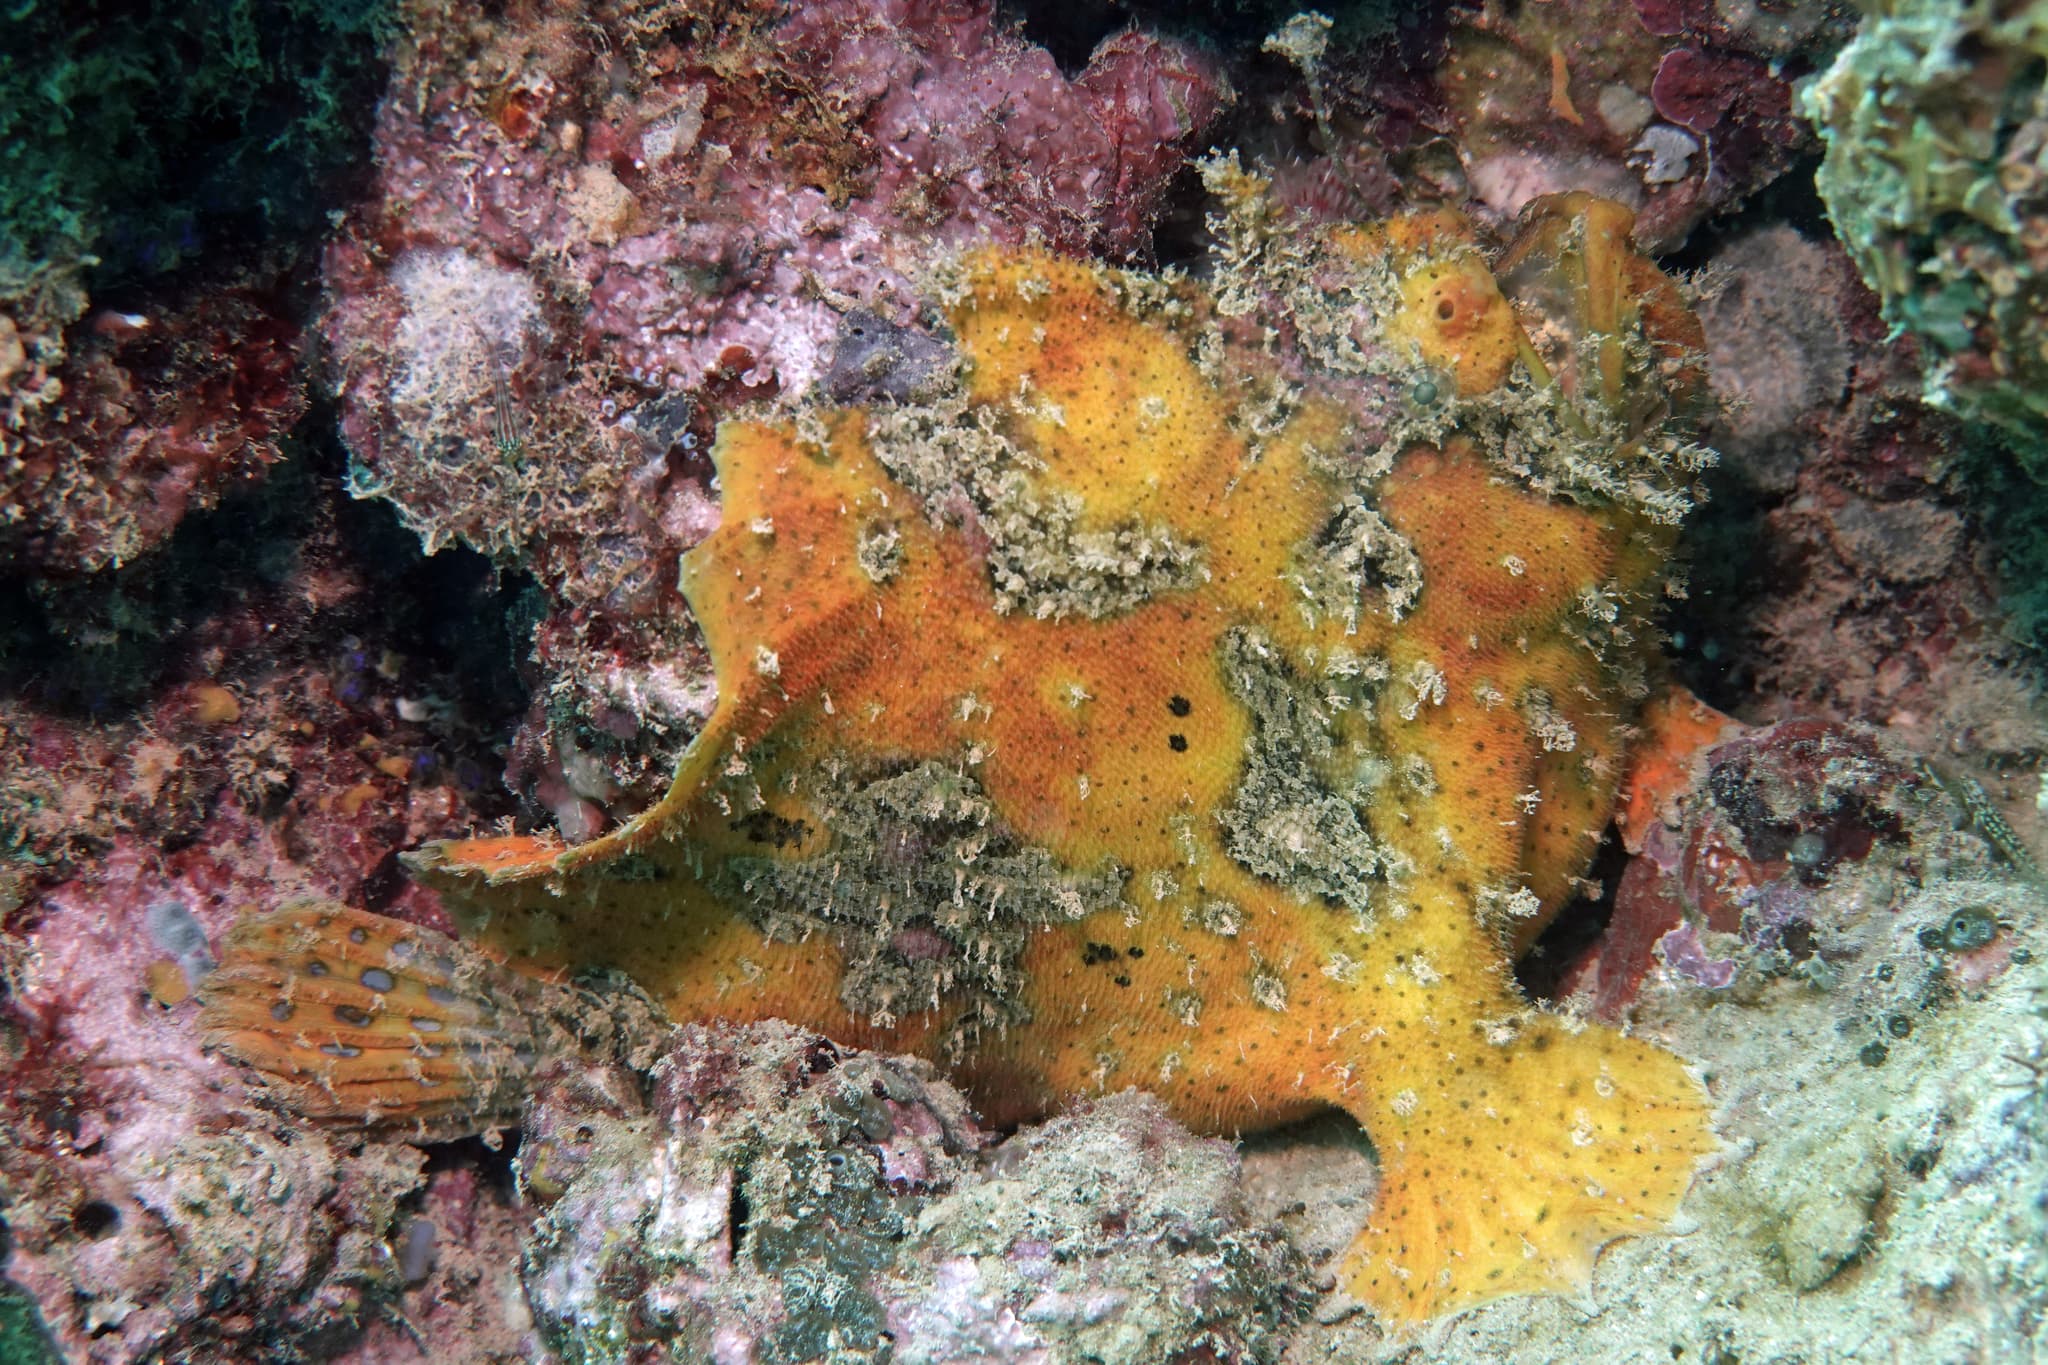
1774, 814
158, 413
1884, 590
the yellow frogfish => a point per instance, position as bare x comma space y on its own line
1210, 687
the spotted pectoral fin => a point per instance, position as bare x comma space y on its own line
360, 1020
1508, 1171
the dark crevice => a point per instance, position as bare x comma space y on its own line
1727, 552
1792, 200
739, 1213
1577, 927
493, 1164
1070, 32
103, 645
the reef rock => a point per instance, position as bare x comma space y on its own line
777, 1199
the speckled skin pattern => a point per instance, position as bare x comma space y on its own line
1175, 736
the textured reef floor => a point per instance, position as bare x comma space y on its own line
947, 681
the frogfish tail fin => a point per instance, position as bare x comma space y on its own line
1506, 1170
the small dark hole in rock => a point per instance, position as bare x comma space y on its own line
1798, 940
96, 1218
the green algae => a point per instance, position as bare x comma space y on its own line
1936, 177
23, 1338
127, 133
924, 889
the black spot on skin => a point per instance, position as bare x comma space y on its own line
1123, 981
96, 1219
1179, 705
1177, 743
766, 827
1134, 951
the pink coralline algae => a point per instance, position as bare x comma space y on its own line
590, 239
154, 1213
586, 232
153, 1210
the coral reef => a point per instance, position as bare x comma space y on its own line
240, 718
148, 416
1891, 598
1099, 568
1781, 350
1202, 822
1774, 811
151, 1211
139, 154
1936, 178
1681, 110
808, 1203
1678, 109
132, 138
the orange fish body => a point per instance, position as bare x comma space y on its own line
1109, 721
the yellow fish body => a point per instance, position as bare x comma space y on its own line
1120, 716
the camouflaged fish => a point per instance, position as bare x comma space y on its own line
1206, 688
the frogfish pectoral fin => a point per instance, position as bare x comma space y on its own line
497, 859
1506, 1167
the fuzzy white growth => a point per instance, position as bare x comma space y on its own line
464, 321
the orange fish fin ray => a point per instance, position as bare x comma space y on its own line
366, 1022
